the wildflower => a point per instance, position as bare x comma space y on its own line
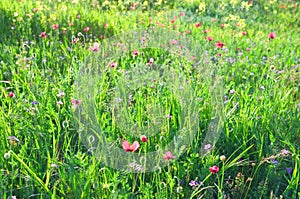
13, 139
231, 91
94, 48
61, 94
219, 44
197, 25
53, 165
12, 197
34, 103
35, 9
86, 29
188, 32
113, 64
194, 183
169, 155
6, 155
144, 138
75, 103
151, 61
135, 53
11, 94
182, 14
59, 103
214, 169
206, 31
285, 152
289, 170
173, 42
209, 38
43, 35
275, 162
244, 33
222, 25
127, 147
272, 35
55, 26
105, 25
280, 71
222, 158
207, 147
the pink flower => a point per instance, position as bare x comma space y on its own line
75, 103
11, 94
135, 53
197, 25
173, 42
105, 25
101, 37
169, 155
78, 16
209, 38
272, 35
55, 26
214, 169
206, 31
86, 29
244, 33
113, 64
222, 25
43, 35
127, 147
188, 32
35, 9
182, 14
94, 48
75, 40
144, 138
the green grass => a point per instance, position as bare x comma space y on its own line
260, 136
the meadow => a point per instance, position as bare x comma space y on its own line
150, 99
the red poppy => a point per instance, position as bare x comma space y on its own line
214, 169
86, 29
219, 44
127, 147
55, 26
43, 35
144, 138
209, 38
197, 25
272, 35
11, 94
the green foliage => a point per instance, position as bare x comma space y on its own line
261, 133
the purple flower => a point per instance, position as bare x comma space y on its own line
194, 183
275, 162
34, 103
231, 91
13, 138
280, 71
289, 170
